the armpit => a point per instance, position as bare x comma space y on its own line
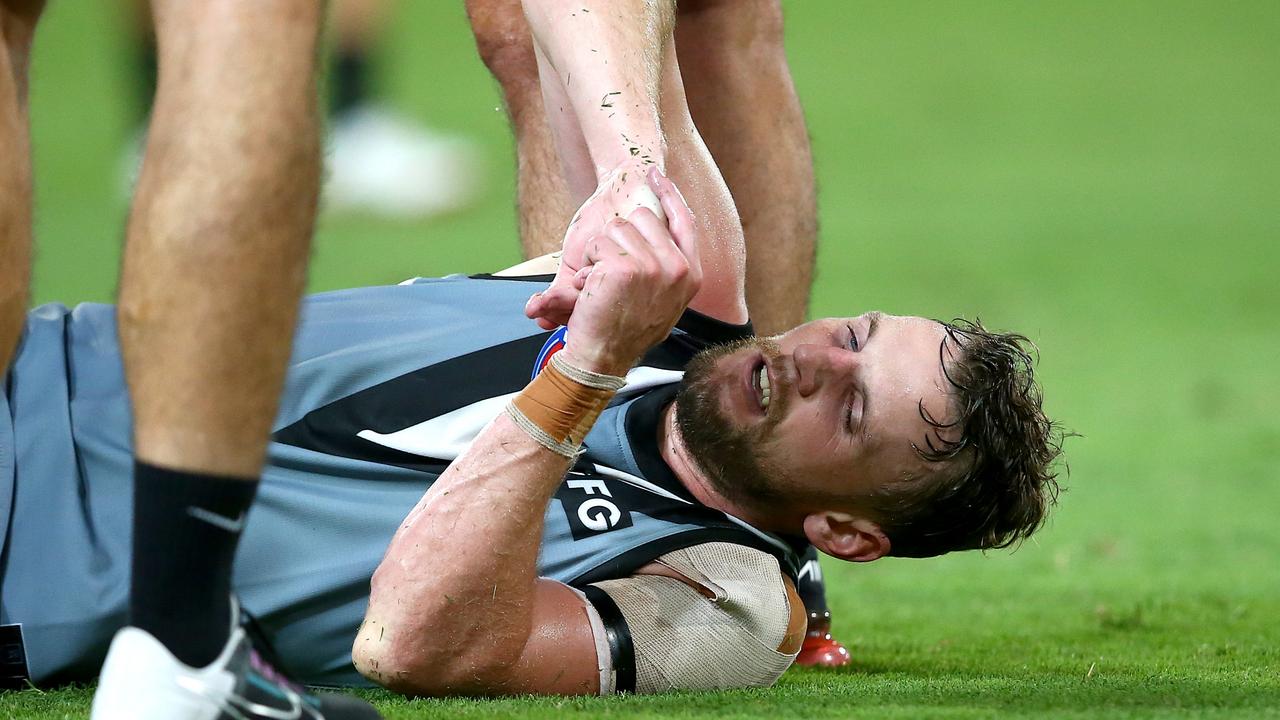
713, 616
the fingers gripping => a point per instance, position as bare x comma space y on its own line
656, 240
679, 218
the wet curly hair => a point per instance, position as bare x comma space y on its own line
992, 477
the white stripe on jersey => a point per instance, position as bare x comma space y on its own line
447, 436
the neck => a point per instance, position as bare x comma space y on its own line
682, 463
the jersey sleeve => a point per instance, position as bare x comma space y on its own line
739, 627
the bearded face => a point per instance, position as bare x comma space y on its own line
823, 418
730, 454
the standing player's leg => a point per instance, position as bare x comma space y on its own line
734, 67
379, 160
17, 27
505, 45
213, 273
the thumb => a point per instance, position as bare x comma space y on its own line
533, 305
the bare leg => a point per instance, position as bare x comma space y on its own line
545, 205
733, 64
358, 24
213, 272
17, 25
218, 236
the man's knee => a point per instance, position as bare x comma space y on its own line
504, 43
18, 25
260, 29
23, 9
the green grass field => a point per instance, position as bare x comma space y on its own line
1104, 176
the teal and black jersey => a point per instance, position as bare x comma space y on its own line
386, 386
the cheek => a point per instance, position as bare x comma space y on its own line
809, 436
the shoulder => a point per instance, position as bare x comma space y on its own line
716, 615
547, 264
747, 584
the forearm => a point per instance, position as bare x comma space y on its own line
608, 56
613, 187
453, 597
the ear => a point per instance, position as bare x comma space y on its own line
846, 537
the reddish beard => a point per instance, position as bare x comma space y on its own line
729, 455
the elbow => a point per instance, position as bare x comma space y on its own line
415, 647
384, 662
369, 657
413, 668
411, 671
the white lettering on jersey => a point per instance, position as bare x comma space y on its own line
598, 521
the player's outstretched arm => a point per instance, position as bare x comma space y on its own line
456, 606
603, 61
615, 104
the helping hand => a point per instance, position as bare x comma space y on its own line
621, 192
638, 277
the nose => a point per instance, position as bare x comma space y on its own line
817, 365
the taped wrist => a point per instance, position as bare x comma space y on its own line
559, 407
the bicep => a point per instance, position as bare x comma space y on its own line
562, 655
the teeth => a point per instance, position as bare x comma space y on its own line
764, 387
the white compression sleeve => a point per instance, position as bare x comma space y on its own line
685, 640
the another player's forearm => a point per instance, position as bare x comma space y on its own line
452, 602
607, 56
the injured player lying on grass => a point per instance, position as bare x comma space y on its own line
653, 547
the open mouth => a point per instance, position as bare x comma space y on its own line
763, 386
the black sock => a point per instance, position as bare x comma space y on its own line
185, 530
350, 80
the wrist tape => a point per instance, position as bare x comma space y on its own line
559, 407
